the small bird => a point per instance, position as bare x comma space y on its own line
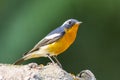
54, 43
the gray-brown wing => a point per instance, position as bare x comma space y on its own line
46, 41
43, 43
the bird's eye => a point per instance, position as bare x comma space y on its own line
69, 22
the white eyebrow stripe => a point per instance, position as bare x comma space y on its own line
52, 36
66, 22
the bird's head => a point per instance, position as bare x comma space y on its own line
70, 23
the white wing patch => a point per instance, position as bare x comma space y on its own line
52, 36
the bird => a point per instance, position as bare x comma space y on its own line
55, 43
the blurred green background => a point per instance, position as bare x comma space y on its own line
97, 47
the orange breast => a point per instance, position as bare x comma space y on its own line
62, 44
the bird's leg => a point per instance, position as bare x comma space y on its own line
50, 58
55, 57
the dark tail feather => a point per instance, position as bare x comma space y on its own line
19, 61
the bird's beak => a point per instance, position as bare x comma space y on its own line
78, 23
